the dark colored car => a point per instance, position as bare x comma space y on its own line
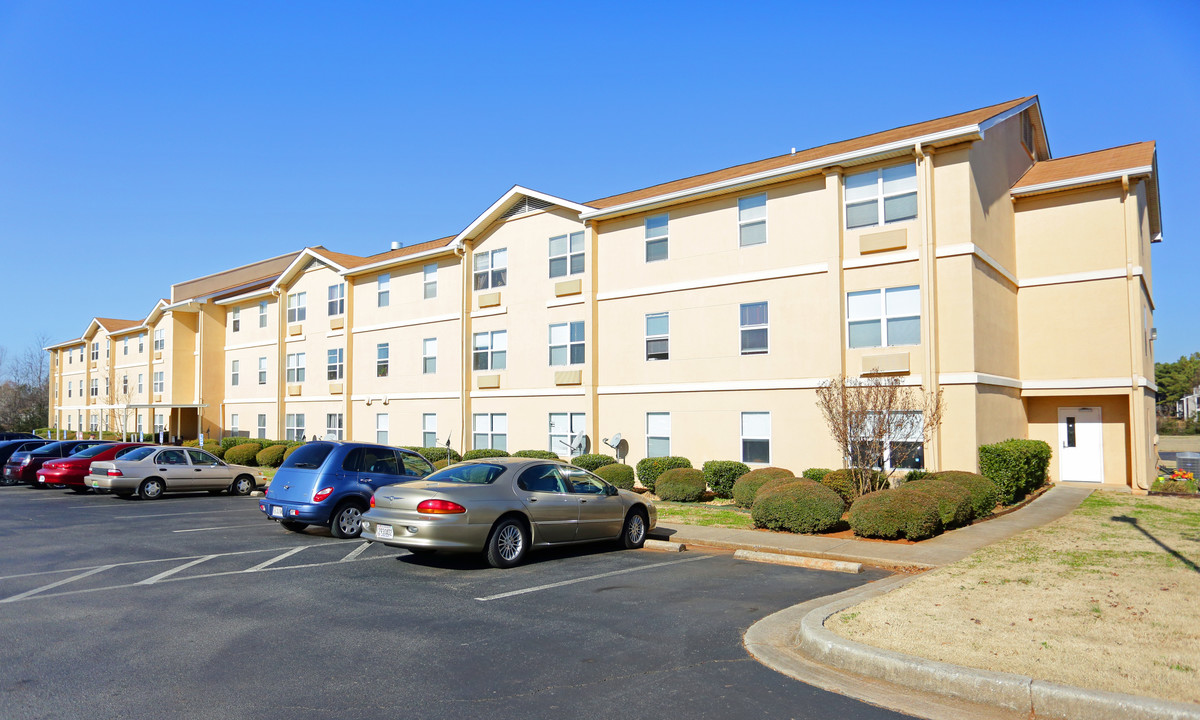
18, 436
331, 483
71, 471
23, 466
8, 448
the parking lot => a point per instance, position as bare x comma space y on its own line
197, 606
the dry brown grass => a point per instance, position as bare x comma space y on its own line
1105, 598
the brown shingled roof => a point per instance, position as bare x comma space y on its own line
1124, 157
354, 261
881, 138
113, 325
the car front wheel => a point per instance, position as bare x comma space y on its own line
347, 522
244, 485
633, 534
151, 489
507, 544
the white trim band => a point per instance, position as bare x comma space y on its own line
780, 273
407, 323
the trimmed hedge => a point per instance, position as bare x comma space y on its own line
914, 475
648, 469
891, 514
680, 485
1016, 466
593, 461
774, 484
816, 473
244, 454
981, 491
191, 443
271, 456
433, 454
215, 449
843, 483
722, 474
540, 454
803, 506
746, 487
439, 464
618, 474
481, 453
953, 501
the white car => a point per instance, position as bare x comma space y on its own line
151, 471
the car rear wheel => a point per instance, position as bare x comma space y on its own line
346, 522
243, 485
633, 534
293, 525
151, 489
508, 543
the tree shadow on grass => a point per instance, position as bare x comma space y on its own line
1137, 526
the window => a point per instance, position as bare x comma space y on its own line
430, 274
262, 313
429, 430
381, 428
294, 426
334, 426
81, 357
297, 307
93, 422
491, 350
566, 344
125, 346
566, 255
381, 360
70, 357
107, 347
95, 351
890, 193
234, 372
158, 382
490, 431
141, 428
95, 387
70, 387
106, 393
383, 290
754, 328
124, 384
262, 371
160, 340
233, 423
141, 342
295, 368
140, 386
80, 388
902, 443
656, 237
658, 336
756, 437
337, 299
261, 430
159, 425
491, 269
884, 318
237, 319
564, 428
658, 434
69, 420
752, 220
1027, 131
336, 364
429, 356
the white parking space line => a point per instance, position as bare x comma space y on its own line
220, 527
356, 552
275, 559
146, 562
64, 581
589, 577
172, 571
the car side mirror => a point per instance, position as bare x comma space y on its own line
610, 490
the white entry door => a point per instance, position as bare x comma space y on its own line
1080, 445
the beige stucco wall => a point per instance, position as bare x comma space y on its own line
1114, 415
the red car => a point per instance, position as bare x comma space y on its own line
71, 471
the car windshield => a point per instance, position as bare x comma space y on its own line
51, 449
92, 451
138, 454
311, 455
471, 473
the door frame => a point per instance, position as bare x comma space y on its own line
1096, 467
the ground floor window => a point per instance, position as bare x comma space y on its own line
294, 426
899, 445
138, 424
381, 428
233, 423
658, 434
429, 430
490, 431
756, 437
159, 425
566, 434
262, 426
334, 426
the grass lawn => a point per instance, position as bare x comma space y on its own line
723, 516
1104, 598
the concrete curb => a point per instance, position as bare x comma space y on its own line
1004, 691
663, 546
798, 561
904, 566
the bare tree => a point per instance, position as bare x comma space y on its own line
24, 392
878, 423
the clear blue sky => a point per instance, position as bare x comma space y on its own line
142, 144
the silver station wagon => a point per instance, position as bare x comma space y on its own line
503, 507
151, 471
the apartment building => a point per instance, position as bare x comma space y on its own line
698, 317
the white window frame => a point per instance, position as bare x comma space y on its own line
493, 351
568, 345
261, 426
236, 320
125, 384
563, 427
335, 366
656, 422
160, 424
658, 337
880, 197
262, 371
233, 423
429, 280
335, 424
489, 430
262, 313
234, 372
337, 299
567, 255
382, 359
139, 425
95, 351
383, 290
125, 346
657, 236
744, 328
428, 429
750, 217
95, 388
140, 386
429, 356
159, 382
295, 367
881, 316
490, 269
297, 307
918, 437
160, 340
755, 436
293, 427
382, 421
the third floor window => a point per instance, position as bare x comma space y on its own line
566, 255
297, 307
337, 299
491, 269
881, 196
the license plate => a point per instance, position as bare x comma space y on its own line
95, 483
384, 531
277, 512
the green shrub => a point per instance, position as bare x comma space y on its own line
680, 485
232, 442
1174, 486
649, 469
439, 464
244, 454
433, 454
722, 474
191, 443
802, 506
892, 514
618, 474
844, 484
982, 492
746, 487
774, 484
914, 475
953, 501
484, 453
1016, 466
215, 449
593, 461
540, 454
816, 473
271, 456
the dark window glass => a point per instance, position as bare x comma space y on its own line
542, 478
311, 455
470, 473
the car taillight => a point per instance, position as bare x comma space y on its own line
113, 472
322, 494
440, 507
372, 501
27, 460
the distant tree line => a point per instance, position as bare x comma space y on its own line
24, 388
1176, 379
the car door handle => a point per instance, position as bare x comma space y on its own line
532, 499
582, 501
364, 480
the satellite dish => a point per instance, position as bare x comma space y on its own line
578, 443
330, 437
613, 441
